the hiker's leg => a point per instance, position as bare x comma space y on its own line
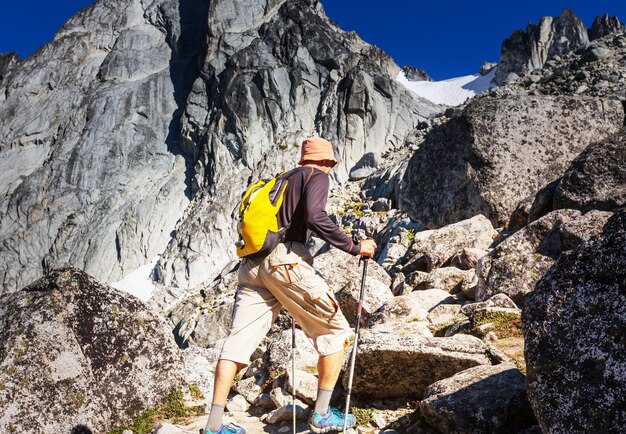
253, 314
293, 281
224, 376
328, 369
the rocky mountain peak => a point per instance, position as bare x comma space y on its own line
528, 50
604, 26
416, 74
7, 62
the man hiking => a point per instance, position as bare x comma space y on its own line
286, 278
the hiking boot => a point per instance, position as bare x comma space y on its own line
332, 421
231, 428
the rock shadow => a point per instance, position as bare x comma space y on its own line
185, 65
81, 429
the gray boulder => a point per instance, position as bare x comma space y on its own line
278, 355
306, 385
596, 179
483, 399
569, 234
343, 272
412, 307
498, 151
487, 67
374, 297
83, 352
498, 300
529, 50
515, 265
402, 366
365, 166
433, 248
574, 326
449, 279
467, 258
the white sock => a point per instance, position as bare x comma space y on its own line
323, 400
215, 418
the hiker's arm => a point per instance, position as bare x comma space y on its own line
317, 220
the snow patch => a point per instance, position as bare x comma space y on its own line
138, 282
452, 92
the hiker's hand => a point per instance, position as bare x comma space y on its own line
368, 247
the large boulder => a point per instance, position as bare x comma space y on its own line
433, 248
498, 151
575, 349
450, 279
393, 365
344, 273
483, 399
279, 352
76, 352
596, 179
414, 306
515, 265
340, 269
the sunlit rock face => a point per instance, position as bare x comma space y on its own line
271, 77
109, 131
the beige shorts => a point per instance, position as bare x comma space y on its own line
284, 278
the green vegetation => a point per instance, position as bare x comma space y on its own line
310, 370
171, 407
195, 391
410, 234
439, 330
505, 324
520, 365
352, 208
272, 377
364, 416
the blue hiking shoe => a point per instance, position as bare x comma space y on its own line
231, 428
332, 421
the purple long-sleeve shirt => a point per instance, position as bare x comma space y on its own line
304, 206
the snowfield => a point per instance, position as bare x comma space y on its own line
138, 282
452, 92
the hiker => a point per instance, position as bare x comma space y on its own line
286, 278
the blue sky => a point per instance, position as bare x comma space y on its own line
447, 38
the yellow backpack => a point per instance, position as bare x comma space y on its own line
258, 217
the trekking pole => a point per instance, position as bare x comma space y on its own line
365, 259
293, 371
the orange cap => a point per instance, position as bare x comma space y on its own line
317, 149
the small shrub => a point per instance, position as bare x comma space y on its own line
195, 391
364, 416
